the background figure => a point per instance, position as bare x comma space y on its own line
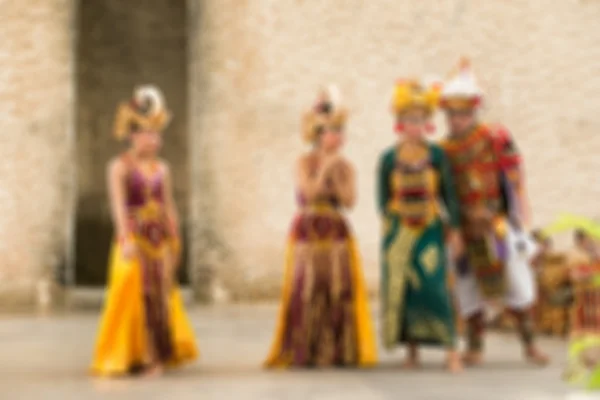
583, 367
553, 287
413, 177
144, 324
493, 211
325, 317
586, 245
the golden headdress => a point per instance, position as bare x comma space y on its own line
146, 110
328, 113
462, 90
410, 94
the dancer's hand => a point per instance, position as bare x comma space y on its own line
325, 174
327, 165
129, 249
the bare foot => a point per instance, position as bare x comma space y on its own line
454, 363
536, 356
472, 358
153, 371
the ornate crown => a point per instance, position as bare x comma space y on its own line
410, 94
145, 110
328, 113
462, 91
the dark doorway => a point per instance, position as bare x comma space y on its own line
122, 44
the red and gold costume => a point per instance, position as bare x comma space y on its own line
485, 167
487, 172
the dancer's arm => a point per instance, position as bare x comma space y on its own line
312, 185
172, 214
116, 173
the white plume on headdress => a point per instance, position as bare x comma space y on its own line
151, 94
463, 85
335, 96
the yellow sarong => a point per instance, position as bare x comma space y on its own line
122, 338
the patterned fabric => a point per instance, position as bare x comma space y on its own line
143, 320
417, 307
475, 332
320, 319
555, 295
412, 194
586, 311
485, 257
148, 224
584, 348
486, 169
324, 319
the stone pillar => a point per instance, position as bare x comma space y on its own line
36, 142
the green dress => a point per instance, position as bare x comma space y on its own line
417, 305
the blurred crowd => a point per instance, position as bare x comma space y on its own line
557, 282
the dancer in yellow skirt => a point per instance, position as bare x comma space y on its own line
144, 325
324, 318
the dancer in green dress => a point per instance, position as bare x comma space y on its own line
414, 183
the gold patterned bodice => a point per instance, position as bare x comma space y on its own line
475, 167
413, 184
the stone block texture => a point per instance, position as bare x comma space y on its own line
257, 64
36, 175
251, 67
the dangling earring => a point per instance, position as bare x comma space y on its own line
399, 128
429, 127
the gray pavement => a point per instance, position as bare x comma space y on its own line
47, 358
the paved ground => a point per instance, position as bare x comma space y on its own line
46, 358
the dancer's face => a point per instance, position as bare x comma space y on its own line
413, 123
460, 121
146, 142
332, 139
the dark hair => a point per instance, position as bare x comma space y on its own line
325, 108
143, 107
134, 128
580, 234
319, 130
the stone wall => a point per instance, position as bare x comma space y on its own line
36, 98
121, 45
253, 67
256, 65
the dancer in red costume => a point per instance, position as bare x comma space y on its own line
494, 214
